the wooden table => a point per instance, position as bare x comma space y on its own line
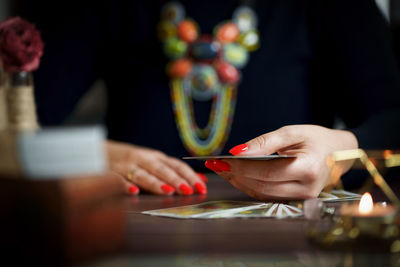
161, 241
112, 234
167, 235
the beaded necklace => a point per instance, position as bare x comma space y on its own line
206, 68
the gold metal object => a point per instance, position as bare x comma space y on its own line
10, 164
21, 107
343, 229
3, 100
131, 173
392, 161
361, 155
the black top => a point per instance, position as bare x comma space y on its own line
319, 60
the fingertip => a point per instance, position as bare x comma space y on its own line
200, 188
221, 166
210, 165
167, 189
185, 189
133, 190
202, 176
239, 149
257, 146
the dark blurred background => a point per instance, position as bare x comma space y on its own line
91, 108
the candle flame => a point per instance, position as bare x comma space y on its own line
366, 204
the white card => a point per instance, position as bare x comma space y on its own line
261, 157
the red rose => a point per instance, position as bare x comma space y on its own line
21, 45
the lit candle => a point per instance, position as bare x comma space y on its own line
368, 217
367, 209
366, 204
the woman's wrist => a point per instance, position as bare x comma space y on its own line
345, 140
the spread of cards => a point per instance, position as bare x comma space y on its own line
240, 209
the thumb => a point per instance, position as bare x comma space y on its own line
272, 142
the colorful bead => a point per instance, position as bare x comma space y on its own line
205, 50
179, 68
228, 73
187, 31
235, 54
250, 40
245, 18
227, 33
166, 29
174, 47
173, 12
204, 78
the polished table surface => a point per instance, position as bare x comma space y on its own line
162, 241
117, 234
161, 235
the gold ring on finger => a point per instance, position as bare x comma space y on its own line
131, 173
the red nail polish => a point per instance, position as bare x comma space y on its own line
221, 166
210, 164
201, 189
133, 190
238, 149
167, 189
203, 177
185, 189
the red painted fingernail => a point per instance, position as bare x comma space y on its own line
202, 176
185, 189
221, 166
238, 149
200, 188
167, 189
133, 190
210, 164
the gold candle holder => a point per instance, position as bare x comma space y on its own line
351, 231
368, 219
353, 223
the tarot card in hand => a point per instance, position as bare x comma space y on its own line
204, 210
260, 157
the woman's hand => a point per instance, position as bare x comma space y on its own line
299, 178
153, 171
